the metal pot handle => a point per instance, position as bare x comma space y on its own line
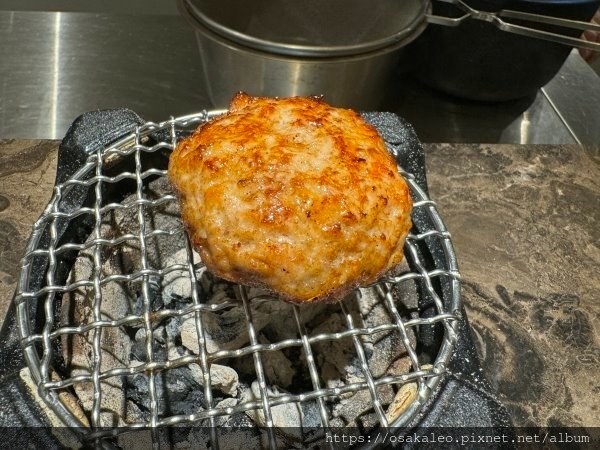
496, 18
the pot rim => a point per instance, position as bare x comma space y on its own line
202, 22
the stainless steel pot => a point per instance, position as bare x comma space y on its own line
339, 48
346, 50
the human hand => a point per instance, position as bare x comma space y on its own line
591, 36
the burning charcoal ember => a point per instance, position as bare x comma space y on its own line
221, 377
277, 367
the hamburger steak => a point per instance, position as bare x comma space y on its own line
292, 195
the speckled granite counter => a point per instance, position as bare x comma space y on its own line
524, 225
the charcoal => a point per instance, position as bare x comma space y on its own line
221, 377
175, 301
227, 403
367, 421
176, 351
177, 283
229, 437
239, 420
361, 403
137, 390
180, 390
179, 384
334, 356
388, 349
138, 305
403, 398
224, 330
277, 367
337, 423
399, 367
180, 381
138, 348
311, 417
287, 417
194, 402
133, 413
154, 297
160, 335
173, 329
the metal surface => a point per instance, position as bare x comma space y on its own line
496, 18
348, 75
565, 111
104, 6
311, 28
55, 66
38, 340
574, 102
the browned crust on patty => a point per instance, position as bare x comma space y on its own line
292, 195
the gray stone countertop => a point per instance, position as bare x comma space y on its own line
524, 222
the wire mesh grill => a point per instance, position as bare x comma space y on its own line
43, 339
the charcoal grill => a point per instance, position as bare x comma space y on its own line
108, 155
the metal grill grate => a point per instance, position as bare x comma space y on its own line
45, 249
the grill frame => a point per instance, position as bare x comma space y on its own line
426, 211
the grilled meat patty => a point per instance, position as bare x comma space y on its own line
292, 195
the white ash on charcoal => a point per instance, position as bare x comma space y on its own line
180, 389
223, 330
227, 329
287, 417
358, 408
278, 369
78, 349
223, 378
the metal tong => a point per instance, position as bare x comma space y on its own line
496, 18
